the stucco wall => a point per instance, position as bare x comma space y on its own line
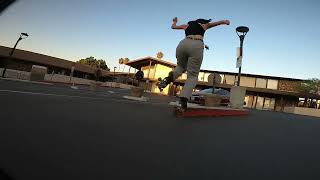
303, 111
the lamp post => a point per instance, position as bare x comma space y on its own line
22, 36
241, 32
114, 76
114, 72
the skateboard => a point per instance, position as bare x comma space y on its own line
201, 111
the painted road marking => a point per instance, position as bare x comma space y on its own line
141, 99
82, 97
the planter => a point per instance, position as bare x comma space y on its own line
212, 100
94, 86
136, 91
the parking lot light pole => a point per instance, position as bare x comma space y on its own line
241, 32
22, 36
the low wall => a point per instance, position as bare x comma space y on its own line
303, 111
14, 74
66, 79
116, 85
58, 78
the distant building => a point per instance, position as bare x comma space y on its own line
263, 92
23, 61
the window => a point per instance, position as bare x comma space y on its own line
246, 99
247, 81
222, 78
266, 103
272, 84
229, 79
269, 103
206, 75
201, 76
259, 104
249, 101
272, 104
261, 83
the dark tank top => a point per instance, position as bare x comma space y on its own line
194, 28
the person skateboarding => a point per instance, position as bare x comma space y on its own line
189, 54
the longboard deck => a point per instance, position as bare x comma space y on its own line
201, 111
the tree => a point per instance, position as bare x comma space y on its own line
123, 61
310, 86
120, 62
93, 62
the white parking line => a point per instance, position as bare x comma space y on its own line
46, 94
81, 97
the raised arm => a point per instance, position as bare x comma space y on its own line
175, 26
213, 24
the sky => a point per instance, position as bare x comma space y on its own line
283, 39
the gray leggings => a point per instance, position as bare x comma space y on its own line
189, 55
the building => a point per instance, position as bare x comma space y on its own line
263, 92
23, 60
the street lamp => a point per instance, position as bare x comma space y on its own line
241, 32
22, 36
114, 75
114, 72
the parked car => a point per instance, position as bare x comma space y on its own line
198, 97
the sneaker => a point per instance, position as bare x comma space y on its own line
184, 103
164, 82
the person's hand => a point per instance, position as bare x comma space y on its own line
175, 19
227, 22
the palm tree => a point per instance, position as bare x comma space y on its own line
125, 61
160, 55
120, 62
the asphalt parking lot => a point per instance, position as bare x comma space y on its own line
55, 132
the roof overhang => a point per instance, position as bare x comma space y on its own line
142, 62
